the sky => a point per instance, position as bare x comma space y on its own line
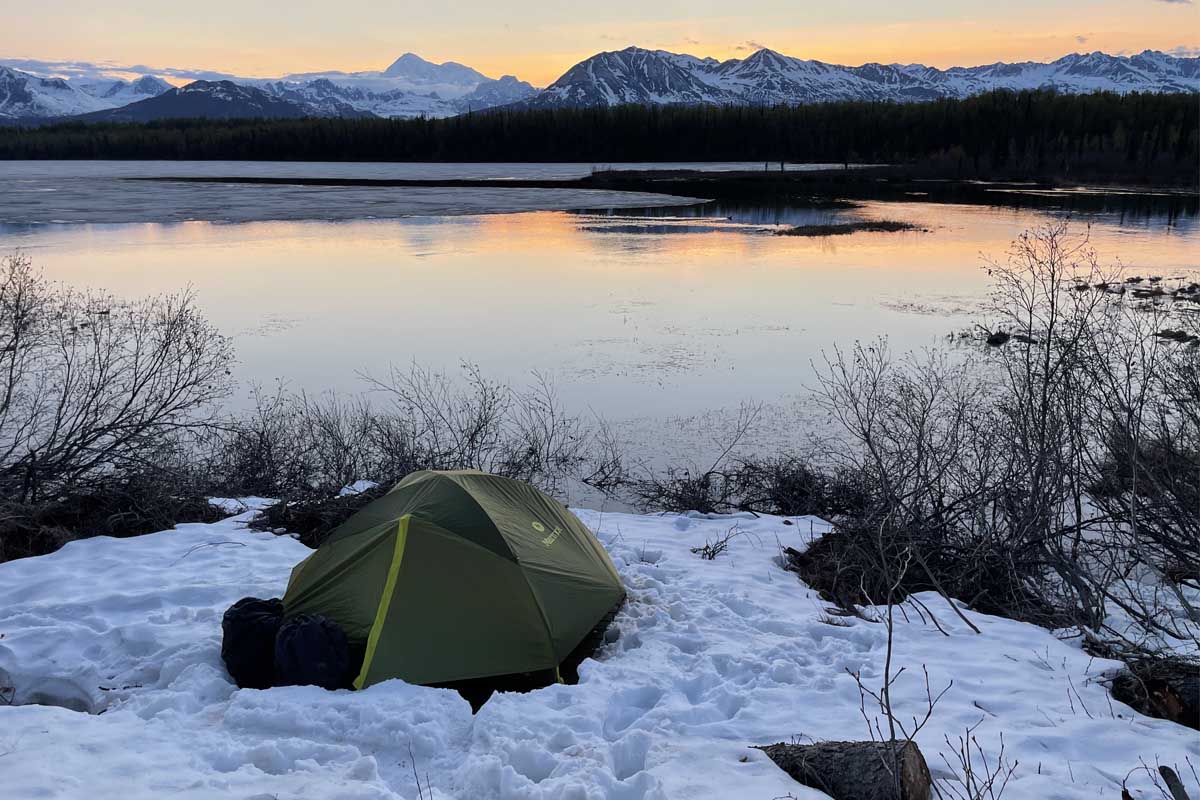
538, 40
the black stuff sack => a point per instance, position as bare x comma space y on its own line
249, 630
311, 650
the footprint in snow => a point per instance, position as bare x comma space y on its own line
627, 707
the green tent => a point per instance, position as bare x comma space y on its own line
453, 576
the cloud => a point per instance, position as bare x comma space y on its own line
750, 44
1184, 51
690, 40
1177, 2
107, 70
1081, 39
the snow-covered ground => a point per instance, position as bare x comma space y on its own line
706, 659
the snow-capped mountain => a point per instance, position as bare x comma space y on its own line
422, 73
121, 92
504, 90
321, 96
634, 75
408, 73
24, 95
351, 97
409, 87
204, 99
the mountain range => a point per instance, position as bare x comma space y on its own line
412, 86
409, 87
634, 75
30, 96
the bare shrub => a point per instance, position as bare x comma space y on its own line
714, 547
975, 776
710, 491
295, 445
128, 503
885, 725
785, 484
1145, 474
791, 486
892, 585
605, 466
313, 518
479, 423
1055, 477
1107, 420
938, 485
774, 483
1162, 778
91, 384
303, 449
100, 401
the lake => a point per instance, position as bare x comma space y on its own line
660, 316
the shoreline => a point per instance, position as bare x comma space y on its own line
807, 188
125, 201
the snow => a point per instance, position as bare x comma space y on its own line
358, 487
706, 659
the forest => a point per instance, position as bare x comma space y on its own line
1041, 134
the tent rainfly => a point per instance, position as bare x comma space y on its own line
458, 575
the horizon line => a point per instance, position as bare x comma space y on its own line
62, 68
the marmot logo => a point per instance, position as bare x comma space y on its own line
551, 537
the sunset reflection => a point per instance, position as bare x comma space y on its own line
621, 306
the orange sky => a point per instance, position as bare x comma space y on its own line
538, 40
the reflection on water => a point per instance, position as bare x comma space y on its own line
654, 314
1162, 208
708, 217
1122, 208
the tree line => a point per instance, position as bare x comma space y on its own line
1000, 133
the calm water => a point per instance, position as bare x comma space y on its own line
641, 315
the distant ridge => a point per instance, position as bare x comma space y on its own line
635, 75
203, 100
